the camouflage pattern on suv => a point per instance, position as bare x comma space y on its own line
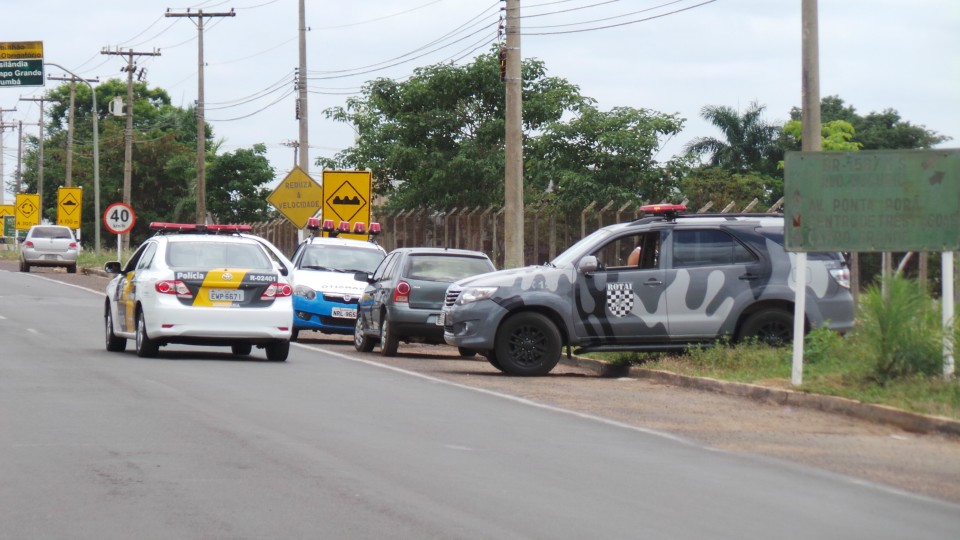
694, 279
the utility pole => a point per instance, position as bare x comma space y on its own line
3, 188
201, 123
128, 132
41, 100
302, 94
68, 181
513, 216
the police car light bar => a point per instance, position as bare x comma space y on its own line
163, 227
313, 223
344, 227
669, 211
359, 228
374, 229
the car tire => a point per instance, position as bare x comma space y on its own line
72, 269
294, 334
24, 267
241, 349
492, 359
389, 342
146, 347
772, 326
361, 341
528, 344
466, 353
278, 351
114, 343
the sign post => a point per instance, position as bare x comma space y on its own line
21, 63
877, 201
27, 210
69, 206
119, 218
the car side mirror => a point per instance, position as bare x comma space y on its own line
363, 276
112, 267
588, 265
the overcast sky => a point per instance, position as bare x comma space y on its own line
672, 56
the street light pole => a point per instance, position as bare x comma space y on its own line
96, 156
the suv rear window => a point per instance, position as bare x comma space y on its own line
776, 235
708, 247
446, 267
216, 254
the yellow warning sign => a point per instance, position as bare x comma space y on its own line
6, 210
27, 211
69, 206
298, 197
346, 197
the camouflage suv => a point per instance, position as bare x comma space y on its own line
661, 283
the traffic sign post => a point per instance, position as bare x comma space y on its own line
21, 63
119, 219
27, 210
298, 197
69, 206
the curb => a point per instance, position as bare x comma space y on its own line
908, 421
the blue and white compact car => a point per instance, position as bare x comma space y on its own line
326, 293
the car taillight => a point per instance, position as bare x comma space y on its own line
402, 292
73, 245
841, 276
28, 243
169, 286
277, 290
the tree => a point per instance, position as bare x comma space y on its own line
721, 187
437, 139
235, 186
600, 156
885, 130
749, 143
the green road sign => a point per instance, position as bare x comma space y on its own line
21, 72
879, 200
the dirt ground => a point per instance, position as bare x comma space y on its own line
924, 464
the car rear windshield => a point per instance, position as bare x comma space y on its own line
344, 258
216, 255
448, 268
52, 232
776, 235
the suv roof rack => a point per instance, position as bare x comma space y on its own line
195, 228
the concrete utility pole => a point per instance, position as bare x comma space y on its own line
513, 215
810, 142
302, 94
201, 123
68, 181
41, 100
128, 132
3, 189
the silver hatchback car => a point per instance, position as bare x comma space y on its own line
49, 245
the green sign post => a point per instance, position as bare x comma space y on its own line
873, 201
21, 72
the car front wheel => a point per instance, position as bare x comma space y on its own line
241, 349
528, 344
278, 351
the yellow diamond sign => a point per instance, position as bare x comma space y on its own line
346, 197
69, 206
298, 197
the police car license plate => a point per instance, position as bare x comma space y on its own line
226, 295
344, 313
441, 318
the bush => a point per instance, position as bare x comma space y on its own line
902, 332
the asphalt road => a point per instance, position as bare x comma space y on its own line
336, 444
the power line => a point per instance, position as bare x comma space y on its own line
620, 24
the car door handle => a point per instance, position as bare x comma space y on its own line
749, 277
653, 283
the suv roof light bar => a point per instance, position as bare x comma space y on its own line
163, 227
668, 211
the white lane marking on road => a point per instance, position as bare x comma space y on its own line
508, 397
65, 283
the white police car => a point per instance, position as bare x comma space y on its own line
199, 285
325, 290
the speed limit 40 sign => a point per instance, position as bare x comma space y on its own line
119, 218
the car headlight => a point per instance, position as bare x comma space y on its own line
304, 291
472, 294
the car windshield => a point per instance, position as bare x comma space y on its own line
340, 258
52, 232
216, 255
581, 248
448, 268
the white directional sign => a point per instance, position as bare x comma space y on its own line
119, 218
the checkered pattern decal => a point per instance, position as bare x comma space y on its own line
620, 299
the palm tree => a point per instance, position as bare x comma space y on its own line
749, 144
